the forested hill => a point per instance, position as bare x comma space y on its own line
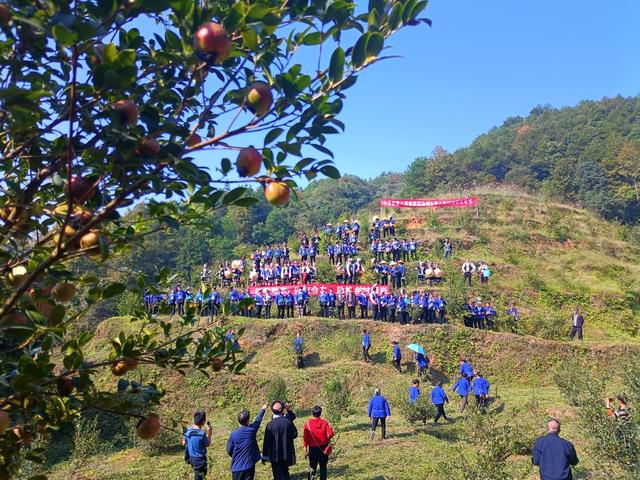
588, 154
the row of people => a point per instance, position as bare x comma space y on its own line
479, 315
287, 273
394, 249
382, 228
347, 231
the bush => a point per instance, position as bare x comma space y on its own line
127, 303
339, 401
421, 410
277, 389
616, 445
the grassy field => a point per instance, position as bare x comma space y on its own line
546, 257
519, 368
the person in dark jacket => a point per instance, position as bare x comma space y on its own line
554, 455
278, 447
439, 398
378, 411
196, 442
242, 446
577, 321
397, 356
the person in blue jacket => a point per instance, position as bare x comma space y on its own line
481, 391
366, 345
378, 411
422, 362
439, 398
414, 391
323, 299
466, 369
281, 303
259, 303
242, 446
180, 297
363, 303
462, 387
199, 301
397, 356
554, 455
196, 441
290, 302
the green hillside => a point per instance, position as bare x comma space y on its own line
546, 257
518, 367
588, 154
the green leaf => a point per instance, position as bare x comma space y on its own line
63, 35
57, 315
375, 44
246, 202
172, 222
233, 195
330, 171
395, 17
313, 38
250, 38
336, 65
359, 54
113, 290
272, 135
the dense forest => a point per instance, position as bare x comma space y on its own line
588, 154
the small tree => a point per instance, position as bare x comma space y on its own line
105, 102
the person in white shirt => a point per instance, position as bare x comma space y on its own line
468, 268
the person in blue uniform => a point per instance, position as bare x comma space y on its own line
438, 399
397, 356
363, 303
281, 303
196, 440
481, 391
259, 303
290, 302
365, 342
242, 446
378, 411
462, 387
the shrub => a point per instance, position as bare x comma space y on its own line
277, 389
338, 399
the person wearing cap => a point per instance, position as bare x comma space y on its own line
277, 446
554, 455
378, 411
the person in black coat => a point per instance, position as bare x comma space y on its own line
554, 455
577, 321
278, 447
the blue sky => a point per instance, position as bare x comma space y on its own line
480, 63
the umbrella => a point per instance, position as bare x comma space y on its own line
414, 347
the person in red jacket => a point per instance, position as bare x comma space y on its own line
316, 437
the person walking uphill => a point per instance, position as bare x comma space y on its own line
196, 442
378, 411
439, 398
316, 436
365, 341
242, 446
277, 446
462, 387
554, 455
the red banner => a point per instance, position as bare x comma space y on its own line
316, 289
428, 203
